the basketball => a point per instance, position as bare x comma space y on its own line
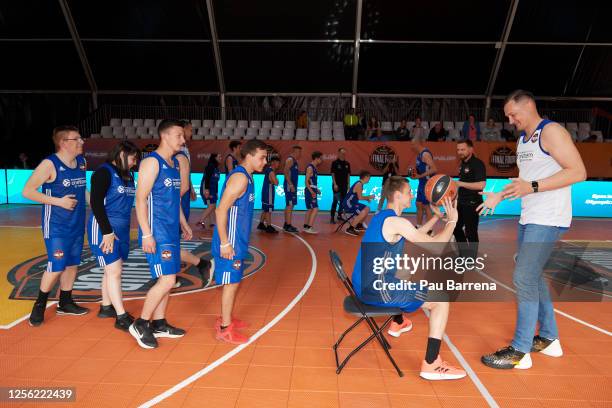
439, 187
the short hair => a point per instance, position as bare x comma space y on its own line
296, 147
518, 96
342, 148
251, 147
393, 184
166, 124
467, 142
234, 144
364, 174
275, 159
59, 133
186, 123
316, 154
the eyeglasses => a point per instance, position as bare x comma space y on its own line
80, 139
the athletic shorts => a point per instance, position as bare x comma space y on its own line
354, 209
121, 248
265, 207
311, 201
228, 270
290, 198
63, 252
408, 301
420, 198
166, 260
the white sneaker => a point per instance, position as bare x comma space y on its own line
310, 230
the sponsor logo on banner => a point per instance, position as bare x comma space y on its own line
136, 276
503, 159
381, 156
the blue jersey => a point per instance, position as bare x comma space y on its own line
293, 174
374, 246
239, 219
313, 178
421, 166
58, 222
234, 162
352, 199
164, 202
267, 188
119, 199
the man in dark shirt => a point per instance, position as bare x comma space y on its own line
341, 173
437, 133
472, 180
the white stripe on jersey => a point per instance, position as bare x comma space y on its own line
47, 216
49, 267
150, 204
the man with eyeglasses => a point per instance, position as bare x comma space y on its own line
62, 177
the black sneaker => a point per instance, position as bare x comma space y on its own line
142, 332
107, 311
38, 314
71, 308
507, 357
359, 227
124, 322
549, 347
332, 221
261, 226
163, 329
351, 231
270, 229
290, 228
207, 271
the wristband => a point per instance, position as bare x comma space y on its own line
147, 236
451, 222
225, 245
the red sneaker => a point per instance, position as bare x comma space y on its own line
440, 370
231, 335
396, 329
237, 323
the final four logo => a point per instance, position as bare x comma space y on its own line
136, 277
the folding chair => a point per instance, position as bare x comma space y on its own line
353, 306
345, 221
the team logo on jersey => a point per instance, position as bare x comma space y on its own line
251, 197
62, 168
66, 183
536, 136
166, 255
83, 166
237, 264
58, 254
503, 159
121, 189
168, 182
25, 277
381, 156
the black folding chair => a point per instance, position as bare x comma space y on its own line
345, 221
353, 306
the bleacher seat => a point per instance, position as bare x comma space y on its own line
137, 123
262, 136
126, 122
276, 133
326, 124
386, 126
243, 124
130, 132
583, 134
571, 126
599, 135
410, 125
453, 135
314, 134
210, 136
106, 132
197, 136
586, 126
255, 124
425, 124
149, 123
279, 124
240, 132
142, 132
118, 132
448, 125
290, 124
509, 127
314, 124
498, 126
230, 124
459, 125
251, 133
208, 123
288, 133
338, 125
265, 132
203, 131
574, 134
157, 122
153, 131
219, 123
267, 124
326, 134
338, 134
196, 123
396, 125
215, 132
301, 134
114, 122
95, 136
227, 132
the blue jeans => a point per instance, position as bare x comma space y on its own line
535, 245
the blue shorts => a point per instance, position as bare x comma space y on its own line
420, 198
121, 248
265, 207
354, 209
228, 270
290, 198
63, 252
166, 260
311, 202
211, 200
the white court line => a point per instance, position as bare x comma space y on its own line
21, 319
468, 369
238, 349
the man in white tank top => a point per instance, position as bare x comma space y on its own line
549, 164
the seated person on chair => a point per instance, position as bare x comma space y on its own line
351, 207
389, 230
